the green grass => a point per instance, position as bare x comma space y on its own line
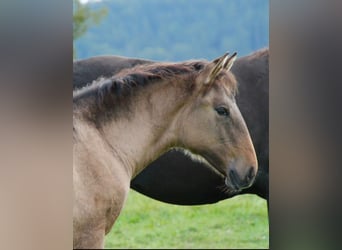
240, 222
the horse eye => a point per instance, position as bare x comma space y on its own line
222, 111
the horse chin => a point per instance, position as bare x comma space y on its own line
231, 187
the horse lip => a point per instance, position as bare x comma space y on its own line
231, 184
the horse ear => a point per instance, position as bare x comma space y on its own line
215, 68
229, 62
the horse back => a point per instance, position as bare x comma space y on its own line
87, 70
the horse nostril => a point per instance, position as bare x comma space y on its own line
239, 182
235, 179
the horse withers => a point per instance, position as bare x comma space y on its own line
122, 124
175, 177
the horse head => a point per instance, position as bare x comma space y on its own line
213, 127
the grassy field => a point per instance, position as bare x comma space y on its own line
240, 222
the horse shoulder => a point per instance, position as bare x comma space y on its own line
101, 185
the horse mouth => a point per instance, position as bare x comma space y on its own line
231, 185
231, 182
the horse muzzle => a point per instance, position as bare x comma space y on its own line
237, 181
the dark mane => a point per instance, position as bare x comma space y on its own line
138, 76
111, 92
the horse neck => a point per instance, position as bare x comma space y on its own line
149, 130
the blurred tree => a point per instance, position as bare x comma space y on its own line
83, 18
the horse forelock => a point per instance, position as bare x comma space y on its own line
225, 80
230, 83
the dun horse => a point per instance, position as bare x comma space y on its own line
122, 124
175, 177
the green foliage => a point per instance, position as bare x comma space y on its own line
240, 222
178, 29
84, 17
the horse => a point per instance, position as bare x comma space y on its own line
123, 123
175, 177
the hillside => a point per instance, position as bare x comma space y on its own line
177, 29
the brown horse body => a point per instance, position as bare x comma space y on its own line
175, 177
124, 123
